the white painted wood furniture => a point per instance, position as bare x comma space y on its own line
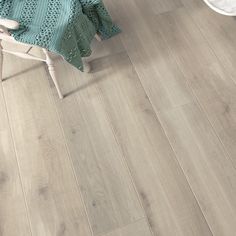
5, 26
224, 7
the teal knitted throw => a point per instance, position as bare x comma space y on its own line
65, 27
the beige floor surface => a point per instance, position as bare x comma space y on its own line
145, 145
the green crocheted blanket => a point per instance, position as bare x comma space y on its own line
66, 27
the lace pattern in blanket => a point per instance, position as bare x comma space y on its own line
66, 27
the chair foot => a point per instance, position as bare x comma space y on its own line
98, 37
52, 72
60, 95
87, 66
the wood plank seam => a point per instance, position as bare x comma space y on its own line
156, 112
140, 81
206, 116
128, 169
17, 161
68, 152
192, 91
122, 161
225, 70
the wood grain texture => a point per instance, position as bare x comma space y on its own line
220, 34
139, 228
208, 80
104, 179
209, 170
12, 203
159, 6
144, 145
218, 31
163, 189
151, 58
54, 202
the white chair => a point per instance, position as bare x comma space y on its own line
5, 26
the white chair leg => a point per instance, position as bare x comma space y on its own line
1, 61
87, 66
97, 36
52, 72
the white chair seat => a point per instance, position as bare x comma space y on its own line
225, 7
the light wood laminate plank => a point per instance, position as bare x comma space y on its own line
104, 179
158, 6
207, 78
105, 137
13, 210
207, 167
139, 228
219, 31
54, 202
152, 60
165, 194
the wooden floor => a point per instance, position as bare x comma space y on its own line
143, 146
